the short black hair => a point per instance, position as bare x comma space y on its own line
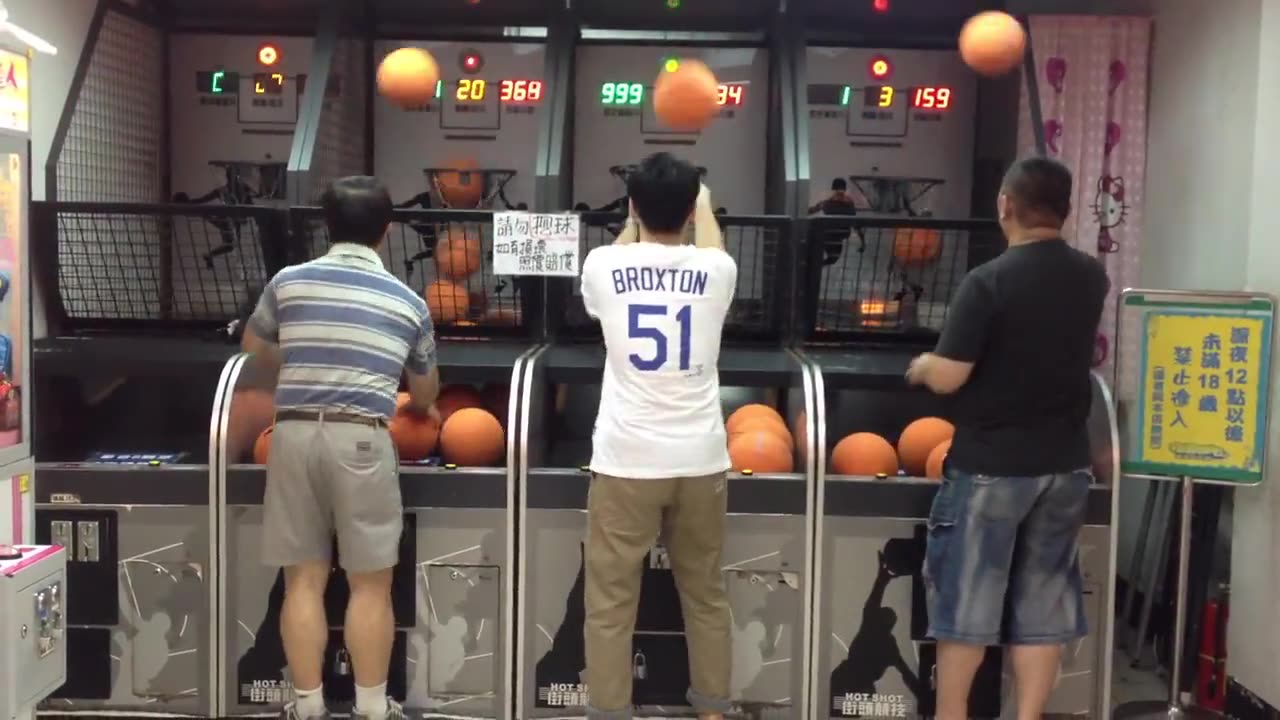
357, 209
839, 185
1040, 189
663, 189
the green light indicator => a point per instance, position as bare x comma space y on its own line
671, 65
215, 86
439, 89
844, 96
673, 4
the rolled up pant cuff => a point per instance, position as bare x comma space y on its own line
705, 704
594, 714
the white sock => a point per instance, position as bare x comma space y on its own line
309, 703
372, 702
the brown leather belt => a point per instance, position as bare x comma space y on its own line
336, 416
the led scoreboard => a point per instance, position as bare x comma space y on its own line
621, 94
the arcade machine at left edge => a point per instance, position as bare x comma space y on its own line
33, 658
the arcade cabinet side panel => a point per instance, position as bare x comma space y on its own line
17, 503
15, 299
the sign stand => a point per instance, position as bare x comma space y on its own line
1196, 396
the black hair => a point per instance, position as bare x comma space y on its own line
357, 209
1040, 190
839, 185
663, 190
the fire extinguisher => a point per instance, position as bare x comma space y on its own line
1211, 675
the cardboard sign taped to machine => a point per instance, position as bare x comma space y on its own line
536, 244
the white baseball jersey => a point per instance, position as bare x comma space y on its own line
662, 310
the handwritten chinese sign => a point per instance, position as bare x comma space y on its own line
1203, 392
535, 244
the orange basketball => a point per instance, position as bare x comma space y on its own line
800, 431
414, 435
408, 77
457, 255
453, 398
919, 439
684, 96
447, 302
765, 423
933, 468
461, 186
912, 246
473, 438
252, 411
992, 42
864, 454
262, 447
761, 451
751, 411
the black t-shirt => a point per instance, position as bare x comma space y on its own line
1028, 321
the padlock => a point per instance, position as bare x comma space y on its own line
342, 663
639, 666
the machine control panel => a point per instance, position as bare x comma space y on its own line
33, 652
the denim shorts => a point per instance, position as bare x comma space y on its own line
1002, 565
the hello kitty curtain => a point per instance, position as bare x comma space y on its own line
1092, 81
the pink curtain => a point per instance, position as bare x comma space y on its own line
1092, 75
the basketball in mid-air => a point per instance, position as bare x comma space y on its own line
408, 77
685, 95
992, 43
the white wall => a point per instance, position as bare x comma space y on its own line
1212, 222
65, 23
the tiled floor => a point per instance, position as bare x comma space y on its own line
1130, 685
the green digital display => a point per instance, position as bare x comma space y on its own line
217, 82
621, 93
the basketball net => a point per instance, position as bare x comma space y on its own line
492, 186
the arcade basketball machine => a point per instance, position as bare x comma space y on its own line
142, 295
613, 53
898, 214
450, 164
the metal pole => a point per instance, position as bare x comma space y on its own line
1180, 599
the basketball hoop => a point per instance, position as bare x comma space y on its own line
895, 195
266, 180
492, 185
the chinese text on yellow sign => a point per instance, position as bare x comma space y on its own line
1204, 393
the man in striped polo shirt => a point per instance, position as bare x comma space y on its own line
342, 331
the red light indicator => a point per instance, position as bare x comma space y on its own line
880, 68
268, 55
880, 6
471, 61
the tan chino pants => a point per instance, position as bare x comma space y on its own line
626, 518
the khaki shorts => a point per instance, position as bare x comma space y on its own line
327, 478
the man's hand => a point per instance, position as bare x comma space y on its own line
704, 197
918, 368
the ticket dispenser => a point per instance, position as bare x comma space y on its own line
33, 651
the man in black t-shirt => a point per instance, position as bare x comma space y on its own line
1002, 563
839, 202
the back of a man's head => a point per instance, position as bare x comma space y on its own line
357, 209
839, 185
663, 190
1039, 192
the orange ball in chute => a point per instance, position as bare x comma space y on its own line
408, 77
750, 411
993, 42
919, 439
457, 255
453, 398
414, 435
912, 246
447, 302
760, 451
685, 95
262, 447
933, 468
461, 186
472, 438
864, 453
763, 423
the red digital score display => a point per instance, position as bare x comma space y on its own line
729, 94
520, 91
931, 98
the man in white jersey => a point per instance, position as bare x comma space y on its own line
659, 460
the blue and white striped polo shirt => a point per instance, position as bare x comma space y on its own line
346, 328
